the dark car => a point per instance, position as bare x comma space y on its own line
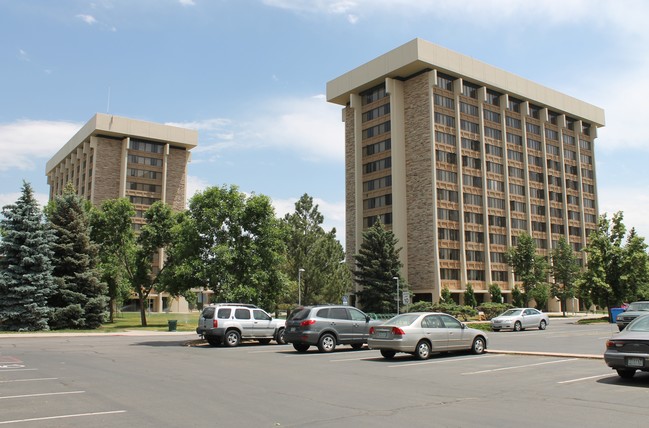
634, 310
628, 350
326, 327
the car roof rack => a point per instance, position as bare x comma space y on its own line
245, 305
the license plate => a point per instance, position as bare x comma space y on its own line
635, 362
381, 334
291, 329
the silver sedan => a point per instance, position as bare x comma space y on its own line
518, 319
424, 333
628, 350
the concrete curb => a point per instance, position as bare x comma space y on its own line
547, 354
111, 334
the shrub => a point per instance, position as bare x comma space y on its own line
447, 296
469, 296
496, 293
493, 309
463, 312
422, 306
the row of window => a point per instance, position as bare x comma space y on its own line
144, 160
376, 113
145, 187
379, 147
472, 275
145, 146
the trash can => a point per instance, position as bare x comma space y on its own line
172, 325
614, 313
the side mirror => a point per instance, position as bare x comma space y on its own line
463, 325
367, 318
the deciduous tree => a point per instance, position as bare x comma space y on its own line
565, 272
529, 267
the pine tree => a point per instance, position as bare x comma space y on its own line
25, 265
80, 300
377, 264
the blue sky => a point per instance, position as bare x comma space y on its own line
250, 76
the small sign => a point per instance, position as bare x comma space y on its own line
345, 301
406, 297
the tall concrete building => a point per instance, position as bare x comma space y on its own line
458, 158
115, 157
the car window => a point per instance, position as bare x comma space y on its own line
357, 315
639, 324
242, 314
450, 322
299, 314
338, 313
323, 313
224, 313
432, 321
260, 315
511, 313
638, 306
208, 313
529, 311
402, 320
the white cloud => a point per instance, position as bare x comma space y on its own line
11, 198
310, 126
195, 185
23, 55
25, 143
88, 19
187, 2
633, 202
333, 213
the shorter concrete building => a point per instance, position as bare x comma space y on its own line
116, 157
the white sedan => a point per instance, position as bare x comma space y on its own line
518, 319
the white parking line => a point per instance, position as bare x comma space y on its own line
585, 378
449, 360
47, 418
29, 380
352, 359
41, 395
520, 367
16, 370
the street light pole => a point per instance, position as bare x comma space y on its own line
299, 286
397, 278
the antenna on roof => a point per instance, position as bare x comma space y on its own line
108, 104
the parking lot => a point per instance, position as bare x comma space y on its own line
534, 378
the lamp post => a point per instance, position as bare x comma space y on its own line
299, 286
397, 278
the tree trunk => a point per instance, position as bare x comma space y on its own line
143, 307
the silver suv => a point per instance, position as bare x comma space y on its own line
230, 323
327, 326
634, 310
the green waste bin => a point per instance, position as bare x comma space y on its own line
172, 325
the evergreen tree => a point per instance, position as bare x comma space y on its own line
308, 246
447, 296
469, 296
377, 264
80, 299
25, 265
496, 293
565, 271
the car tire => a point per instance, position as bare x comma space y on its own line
388, 354
214, 341
357, 346
232, 338
301, 347
279, 337
264, 341
626, 373
518, 326
479, 345
327, 343
422, 351
543, 325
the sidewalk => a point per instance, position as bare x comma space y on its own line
133, 333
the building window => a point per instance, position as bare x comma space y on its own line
512, 122
532, 128
447, 176
513, 104
534, 160
475, 275
490, 149
469, 109
539, 226
469, 90
446, 157
445, 120
469, 126
449, 274
497, 239
497, 257
491, 116
573, 215
472, 180
516, 172
140, 200
377, 183
473, 236
376, 113
372, 220
447, 195
493, 98
448, 234
144, 187
515, 155
573, 200
497, 221
588, 188
377, 165
588, 160
376, 130
379, 147
475, 218
499, 275
444, 138
537, 209
446, 214
493, 133
145, 146
585, 144
537, 176
373, 94
471, 199
445, 82
143, 173
518, 223
553, 117
449, 254
378, 202
494, 167
442, 101
143, 160
471, 162
518, 206
551, 134
556, 212
535, 111
534, 144
568, 139
471, 144
495, 185
514, 139
496, 203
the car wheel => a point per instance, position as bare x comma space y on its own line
232, 338
518, 326
478, 346
357, 346
422, 351
279, 337
300, 347
543, 325
214, 341
626, 373
388, 354
264, 341
327, 343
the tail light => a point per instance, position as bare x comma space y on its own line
610, 344
307, 323
397, 331
215, 323
371, 330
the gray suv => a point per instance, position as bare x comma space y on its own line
229, 323
634, 310
326, 327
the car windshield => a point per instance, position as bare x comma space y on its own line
639, 324
639, 306
402, 320
511, 313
